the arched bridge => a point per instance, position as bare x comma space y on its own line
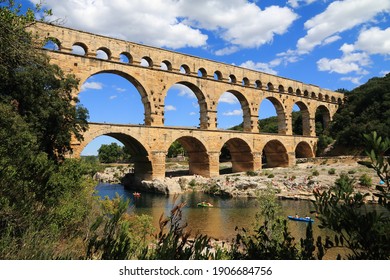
153, 71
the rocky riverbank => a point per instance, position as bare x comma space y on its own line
297, 182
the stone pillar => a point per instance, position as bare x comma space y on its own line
158, 164
254, 124
257, 161
211, 120
214, 164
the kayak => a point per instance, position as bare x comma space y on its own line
301, 219
204, 204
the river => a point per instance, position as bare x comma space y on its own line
218, 222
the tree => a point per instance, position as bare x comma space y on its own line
39, 91
109, 153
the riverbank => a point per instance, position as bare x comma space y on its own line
296, 182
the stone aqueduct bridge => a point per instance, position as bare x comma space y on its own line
153, 71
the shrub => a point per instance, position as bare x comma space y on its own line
365, 180
315, 172
332, 171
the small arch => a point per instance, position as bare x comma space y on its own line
232, 79
238, 152
303, 150
245, 82
126, 57
306, 93
79, 49
218, 76
275, 155
298, 92
333, 99
280, 126
301, 119
184, 69
320, 96
270, 86
146, 62
202, 73
326, 98
52, 44
339, 101
290, 90
166, 65
281, 89
313, 95
103, 53
258, 84
322, 119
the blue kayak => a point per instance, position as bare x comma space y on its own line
301, 219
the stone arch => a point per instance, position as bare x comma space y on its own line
52, 44
281, 89
203, 106
79, 48
246, 111
126, 57
185, 69
198, 158
245, 82
202, 73
258, 84
303, 119
280, 113
166, 65
275, 154
140, 88
232, 79
218, 76
103, 53
241, 155
143, 167
303, 150
322, 118
146, 61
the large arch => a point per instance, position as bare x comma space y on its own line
201, 100
241, 155
275, 154
246, 113
303, 150
303, 119
148, 119
139, 154
322, 118
198, 158
280, 114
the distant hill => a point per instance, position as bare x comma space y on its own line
367, 108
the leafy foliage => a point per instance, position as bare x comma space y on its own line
109, 153
367, 109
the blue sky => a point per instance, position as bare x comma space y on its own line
332, 44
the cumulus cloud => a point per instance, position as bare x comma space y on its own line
297, 3
177, 24
184, 91
351, 61
260, 66
338, 17
237, 112
170, 108
374, 41
91, 85
229, 98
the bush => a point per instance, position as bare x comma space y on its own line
315, 172
332, 171
365, 180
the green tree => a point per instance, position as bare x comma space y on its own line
175, 149
39, 91
109, 153
366, 109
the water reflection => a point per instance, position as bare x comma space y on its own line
218, 222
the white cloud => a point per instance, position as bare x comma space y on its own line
91, 85
296, 3
184, 91
170, 108
339, 17
354, 80
350, 61
260, 66
384, 72
113, 97
177, 24
227, 50
237, 112
192, 114
374, 41
229, 98
118, 89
